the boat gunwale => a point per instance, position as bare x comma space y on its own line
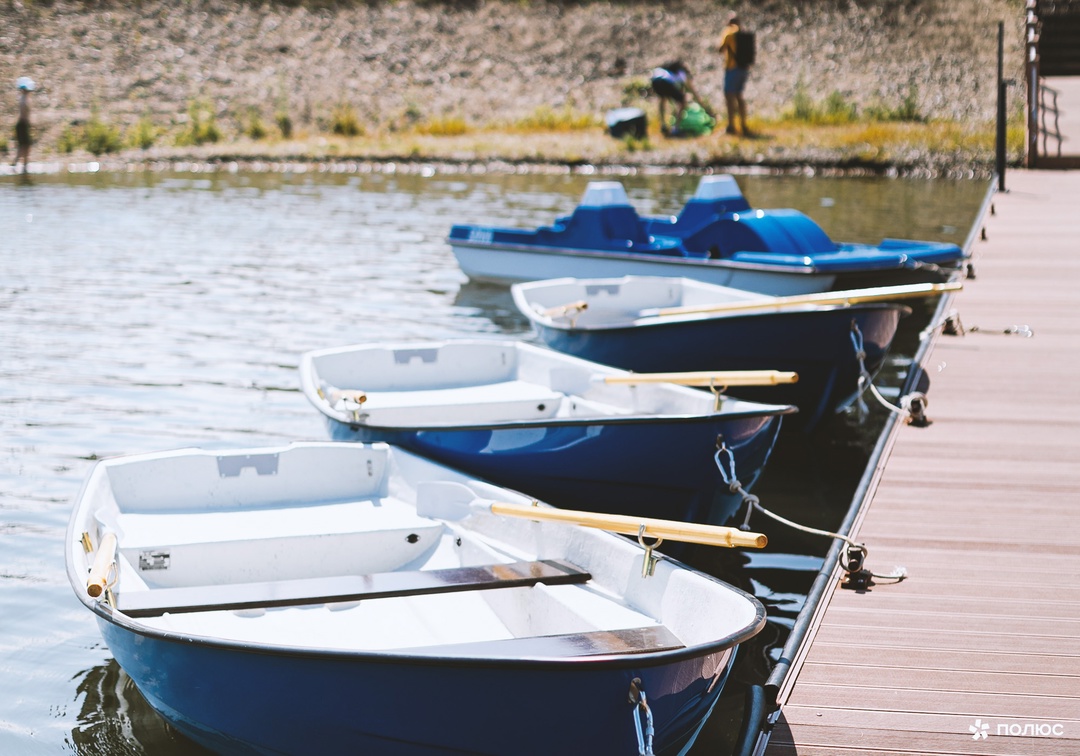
647, 257
616, 661
766, 411
697, 317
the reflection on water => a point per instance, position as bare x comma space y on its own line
115, 719
151, 310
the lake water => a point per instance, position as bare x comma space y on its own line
161, 308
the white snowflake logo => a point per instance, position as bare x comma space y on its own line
979, 730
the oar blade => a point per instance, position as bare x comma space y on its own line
446, 500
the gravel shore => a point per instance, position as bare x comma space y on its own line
485, 63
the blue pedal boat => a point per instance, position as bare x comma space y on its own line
716, 238
649, 324
323, 598
562, 428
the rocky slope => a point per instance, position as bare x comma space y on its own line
485, 61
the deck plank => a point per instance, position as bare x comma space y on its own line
980, 507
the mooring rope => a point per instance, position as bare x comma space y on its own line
855, 554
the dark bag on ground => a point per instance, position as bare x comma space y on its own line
744, 49
623, 122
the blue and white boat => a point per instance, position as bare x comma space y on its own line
573, 433
651, 324
716, 238
333, 598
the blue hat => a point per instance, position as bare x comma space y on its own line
25, 82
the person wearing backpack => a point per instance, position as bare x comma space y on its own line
737, 46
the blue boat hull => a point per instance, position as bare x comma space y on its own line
652, 469
815, 344
246, 700
717, 238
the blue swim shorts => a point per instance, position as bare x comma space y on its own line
735, 80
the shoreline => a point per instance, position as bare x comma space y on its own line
500, 80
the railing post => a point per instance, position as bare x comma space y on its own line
1031, 74
1000, 162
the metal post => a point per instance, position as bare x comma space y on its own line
1000, 163
1031, 71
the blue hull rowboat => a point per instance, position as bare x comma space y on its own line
651, 324
331, 598
717, 238
539, 421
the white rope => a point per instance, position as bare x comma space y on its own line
754, 503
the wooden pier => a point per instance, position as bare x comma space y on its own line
977, 651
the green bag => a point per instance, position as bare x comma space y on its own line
695, 121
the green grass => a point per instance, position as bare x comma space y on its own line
201, 127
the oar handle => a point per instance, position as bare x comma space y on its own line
850, 297
579, 306
97, 580
710, 378
689, 532
356, 395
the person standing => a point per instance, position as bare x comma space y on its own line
672, 81
736, 71
22, 125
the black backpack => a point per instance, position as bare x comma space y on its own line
744, 49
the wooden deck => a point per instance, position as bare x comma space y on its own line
983, 509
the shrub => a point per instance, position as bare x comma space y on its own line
100, 137
345, 122
838, 110
906, 111
284, 123
253, 127
70, 139
201, 125
142, 134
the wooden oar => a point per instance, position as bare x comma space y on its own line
352, 395
850, 297
577, 307
707, 378
97, 580
453, 501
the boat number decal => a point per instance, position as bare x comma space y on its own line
482, 235
154, 560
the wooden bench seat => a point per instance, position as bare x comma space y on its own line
506, 401
308, 591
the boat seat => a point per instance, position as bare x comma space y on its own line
231, 543
305, 592
634, 640
502, 402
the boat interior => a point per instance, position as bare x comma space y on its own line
320, 546
619, 301
478, 383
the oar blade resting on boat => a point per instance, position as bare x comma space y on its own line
455, 501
